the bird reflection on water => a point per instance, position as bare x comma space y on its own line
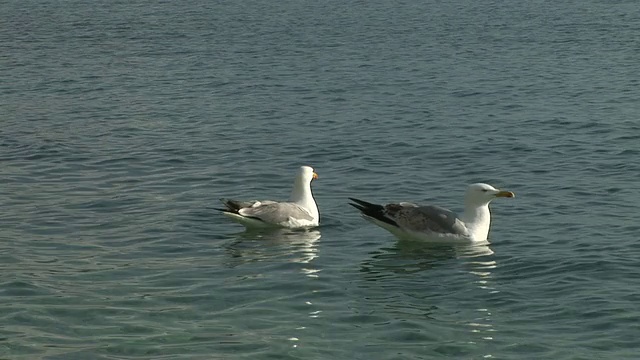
262, 259
296, 246
411, 257
414, 280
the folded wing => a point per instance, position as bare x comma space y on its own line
426, 219
276, 213
410, 217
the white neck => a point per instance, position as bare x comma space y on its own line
478, 220
301, 195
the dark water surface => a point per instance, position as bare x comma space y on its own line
122, 123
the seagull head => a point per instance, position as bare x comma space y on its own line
480, 194
306, 174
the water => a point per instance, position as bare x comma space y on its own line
124, 122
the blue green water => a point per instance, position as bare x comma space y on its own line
122, 123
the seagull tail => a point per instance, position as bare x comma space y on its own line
365, 207
232, 206
373, 211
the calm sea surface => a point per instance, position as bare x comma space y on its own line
123, 122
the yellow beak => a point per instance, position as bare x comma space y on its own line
507, 194
315, 176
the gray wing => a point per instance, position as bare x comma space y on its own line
428, 218
235, 205
275, 213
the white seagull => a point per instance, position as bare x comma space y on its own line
435, 224
300, 211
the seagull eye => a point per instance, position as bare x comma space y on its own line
485, 190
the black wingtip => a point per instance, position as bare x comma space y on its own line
372, 210
364, 204
233, 206
359, 207
359, 204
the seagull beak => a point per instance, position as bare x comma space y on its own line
507, 194
315, 176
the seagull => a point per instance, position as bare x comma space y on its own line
300, 211
430, 223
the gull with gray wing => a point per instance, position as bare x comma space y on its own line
300, 211
431, 223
